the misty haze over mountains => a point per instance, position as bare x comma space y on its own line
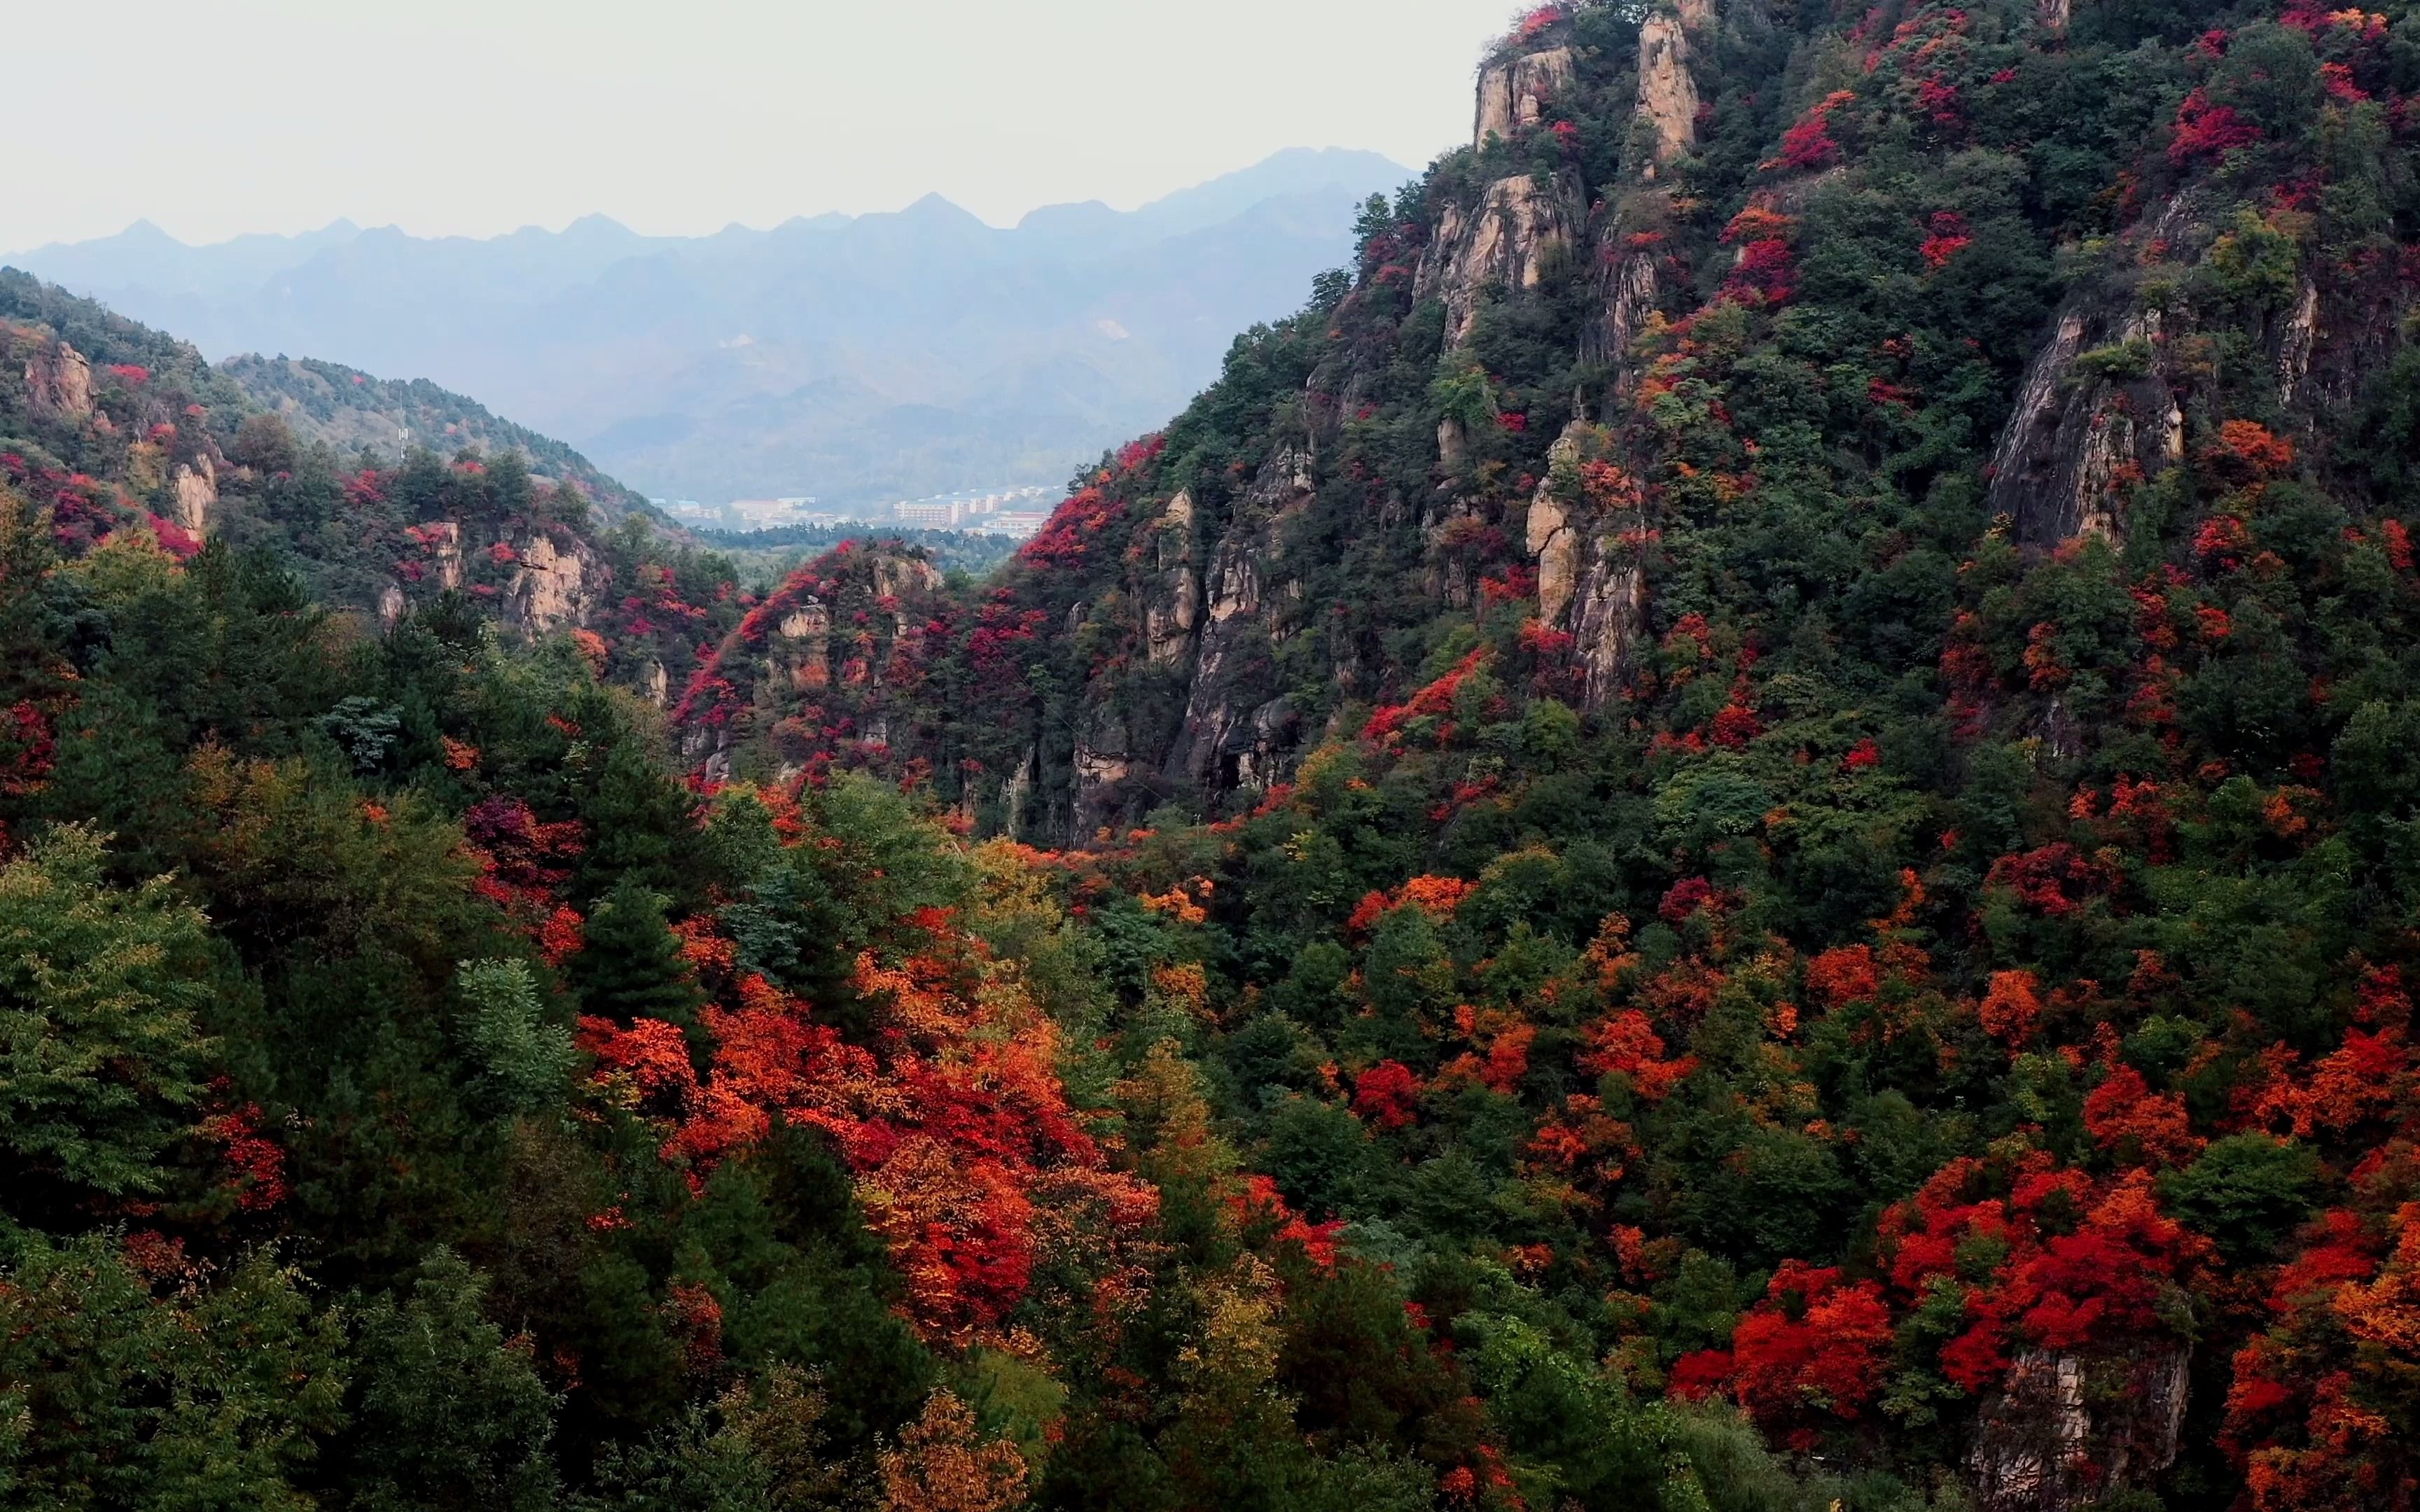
857, 359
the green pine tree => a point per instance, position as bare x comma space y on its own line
631, 966
447, 1413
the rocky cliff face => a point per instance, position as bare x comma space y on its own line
827, 669
1513, 94
1219, 613
59, 379
2104, 403
538, 576
1556, 542
1222, 740
551, 587
123, 428
1667, 91
2095, 417
445, 540
803, 659
1626, 291
1504, 243
1172, 605
196, 486
2064, 1428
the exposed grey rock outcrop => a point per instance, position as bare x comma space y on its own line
1626, 291
549, 585
1513, 94
196, 487
2095, 414
1505, 242
58, 378
1667, 90
1234, 636
2065, 1430
803, 639
1172, 596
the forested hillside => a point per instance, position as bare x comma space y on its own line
352, 412
1736, 831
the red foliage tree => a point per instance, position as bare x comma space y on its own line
1387, 1095
2126, 1118
2081, 1265
2011, 1008
2206, 131
1812, 1353
1948, 238
1809, 145
1844, 974
1432, 701
1627, 1044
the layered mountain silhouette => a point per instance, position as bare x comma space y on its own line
853, 358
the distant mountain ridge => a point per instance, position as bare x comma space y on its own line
854, 358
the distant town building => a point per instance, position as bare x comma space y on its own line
1015, 523
759, 514
983, 509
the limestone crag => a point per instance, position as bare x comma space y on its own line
2095, 414
59, 379
1626, 291
1591, 575
1016, 795
1667, 91
804, 638
1256, 752
445, 544
2104, 405
1234, 635
1514, 93
2064, 1429
548, 586
895, 574
1172, 595
1552, 541
2338, 334
196, 487
1102, 763
2295, 340
1453, 443
1503, 243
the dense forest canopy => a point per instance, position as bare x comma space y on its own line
1736, 831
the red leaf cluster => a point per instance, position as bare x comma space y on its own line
1434, 701
2082, 1265
1387, 1095
2206, 131
1809, 144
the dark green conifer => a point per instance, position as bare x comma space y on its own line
630, 966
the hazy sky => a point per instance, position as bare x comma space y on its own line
475, 117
